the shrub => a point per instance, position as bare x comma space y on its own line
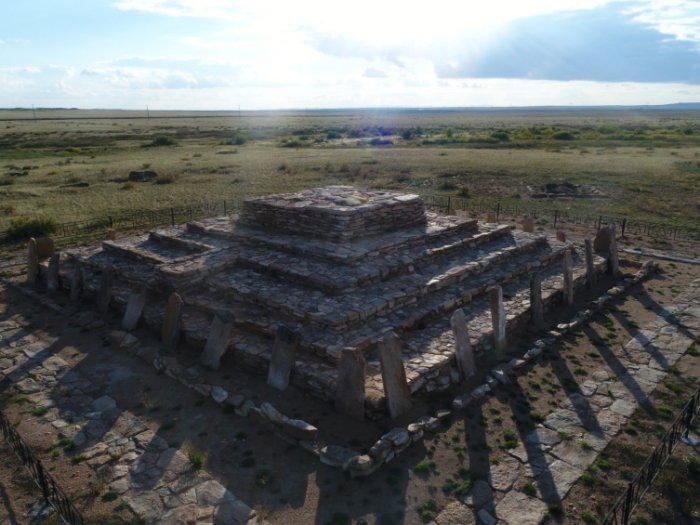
197, 458
563, 135
529, 489
110, 495
161, 140
589, 518
23, 229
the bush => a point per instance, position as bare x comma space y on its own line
23, 229
563, 135
161, 140
197, 458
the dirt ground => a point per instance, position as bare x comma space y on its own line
287, 485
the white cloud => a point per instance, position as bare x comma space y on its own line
193, 8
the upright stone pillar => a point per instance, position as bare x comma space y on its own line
32, 262
218, 339
561, 236
398, 396
591, 278
464, 354
44, 247
76, 282
528, 224
134, 309
350, 392
613, 261
170, 332
491, 217
568, 278
282, 358
536, 306
104, 294
52, 273
110, 234
498, 320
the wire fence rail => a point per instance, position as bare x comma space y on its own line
132, 220
43, 479
621, 511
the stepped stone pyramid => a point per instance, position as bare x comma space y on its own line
340, 267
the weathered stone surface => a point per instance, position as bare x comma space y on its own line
456, 513
591, 276
518, 509
398, 396
44, 247
52, 273
32, 262
336, 456
528, 224
498, 319
505, 474
218, 339
350, 392
601, 243
170, 332
134, 308
104, 294
536, 307
76, 282
568, 271
613, 261
463, 347
283, 350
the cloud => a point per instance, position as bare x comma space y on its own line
372, 72
191, 8
602, 44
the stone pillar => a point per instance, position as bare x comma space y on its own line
591, 278
218, 339
528, 224
568, 278
76, 282
32, 262
491, 217
398, 396
536, 307
172, 319
561, 236
110, 234
463, 347
44, 247
282, 358
104, 294
350, 392
134, 309
52, 273
498, 320
613, 262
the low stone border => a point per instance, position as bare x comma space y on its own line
391, 444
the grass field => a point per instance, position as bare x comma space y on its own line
644, 165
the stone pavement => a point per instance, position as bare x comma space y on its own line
589, 420
156, 481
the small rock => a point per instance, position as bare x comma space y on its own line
218, 394
397, 436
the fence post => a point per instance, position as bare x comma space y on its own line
498, 210
111, 223
225, 207
623, 226
600, 221
449, 200
556, 216
172, 216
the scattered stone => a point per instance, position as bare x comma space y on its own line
218, 394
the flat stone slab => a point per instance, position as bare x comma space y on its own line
517, 508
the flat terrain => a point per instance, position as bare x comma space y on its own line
641, 164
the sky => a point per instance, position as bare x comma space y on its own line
264, 54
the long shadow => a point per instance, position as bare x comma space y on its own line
620, 371
478, 453
8, 507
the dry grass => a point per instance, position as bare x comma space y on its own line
643, 162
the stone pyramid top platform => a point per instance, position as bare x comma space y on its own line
337, 213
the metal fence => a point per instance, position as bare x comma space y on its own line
131, 220
621, 510
49, 488
556, 217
